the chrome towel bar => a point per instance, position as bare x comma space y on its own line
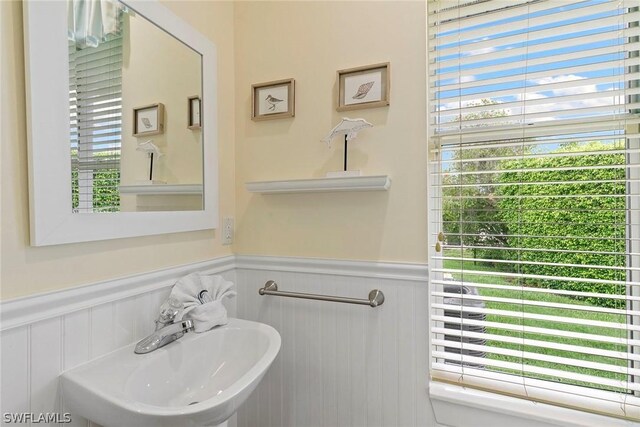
376, 297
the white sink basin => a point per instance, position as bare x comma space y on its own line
198, 380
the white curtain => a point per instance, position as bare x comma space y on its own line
92, 21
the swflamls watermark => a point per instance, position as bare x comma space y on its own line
30, 417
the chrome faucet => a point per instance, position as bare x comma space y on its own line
167, 328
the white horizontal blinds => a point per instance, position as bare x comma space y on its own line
535, 199
95, 85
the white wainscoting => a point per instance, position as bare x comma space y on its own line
340, 364
351, 365
44, 335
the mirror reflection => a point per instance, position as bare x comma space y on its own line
135, 96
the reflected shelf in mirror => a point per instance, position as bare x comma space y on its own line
166, 189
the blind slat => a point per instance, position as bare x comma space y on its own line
526, 302
540, 276
555, 393
534, 316
536, 130
487, 55
531, 369
553, 59
522, 329
537, 36
555, 250
540, 357
469, 33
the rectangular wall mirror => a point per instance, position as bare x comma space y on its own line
112, 148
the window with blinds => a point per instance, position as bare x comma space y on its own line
535, 200
95, 85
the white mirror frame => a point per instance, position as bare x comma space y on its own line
47, 76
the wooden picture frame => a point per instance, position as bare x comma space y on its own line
363, 87
194, 121
148, 120
273, 100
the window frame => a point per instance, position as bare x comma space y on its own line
442, 393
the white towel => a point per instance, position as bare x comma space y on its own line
204, 316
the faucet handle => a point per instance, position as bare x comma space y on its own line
170, 310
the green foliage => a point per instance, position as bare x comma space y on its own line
106, 182
484, 114
106, 192
470, 213
106, 195
547, 203
547, 324
588, 217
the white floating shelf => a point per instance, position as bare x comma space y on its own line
317, 185
161, 189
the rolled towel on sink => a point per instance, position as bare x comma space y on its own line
208, 315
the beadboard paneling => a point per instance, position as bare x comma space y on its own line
35, 353
46, 365
340, 364
14, 370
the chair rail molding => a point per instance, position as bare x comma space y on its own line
26, 310
30, 309
369, 269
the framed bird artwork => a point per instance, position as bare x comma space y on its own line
363, 87
148, 120
273, 100
194, 120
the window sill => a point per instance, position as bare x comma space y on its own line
505, 410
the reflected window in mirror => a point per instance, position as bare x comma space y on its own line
95, 33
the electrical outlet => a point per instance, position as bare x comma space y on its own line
227, 231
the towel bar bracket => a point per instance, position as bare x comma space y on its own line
376, 297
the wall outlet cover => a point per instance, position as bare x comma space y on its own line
227, 231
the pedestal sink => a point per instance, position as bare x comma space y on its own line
199, 380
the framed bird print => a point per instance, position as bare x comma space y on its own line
148, 120
363, 87
273, 100
194, 120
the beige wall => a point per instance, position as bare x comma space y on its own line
159, 68
309, 41
306, 40
27, 270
